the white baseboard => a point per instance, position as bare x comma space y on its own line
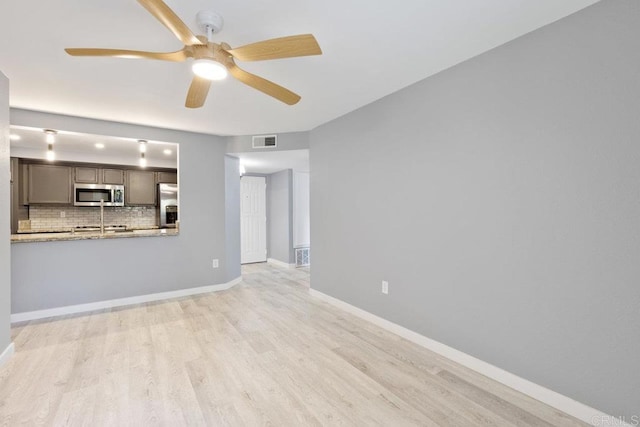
6, 354
280, 263
80, 308
556, 400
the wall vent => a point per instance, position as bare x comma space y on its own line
302, 257
265, 141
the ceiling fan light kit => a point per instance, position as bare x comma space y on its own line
209, 69
214, 61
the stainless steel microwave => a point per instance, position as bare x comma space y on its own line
91, 194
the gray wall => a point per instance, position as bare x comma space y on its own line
5, 214
280, 216
232, 216
501, 200
53, 274
286, 141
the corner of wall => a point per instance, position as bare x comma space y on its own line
232, 217
292, 251
5, 222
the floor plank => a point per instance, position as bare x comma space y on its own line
262, 353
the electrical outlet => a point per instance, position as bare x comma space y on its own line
63, 214
385, 287
215, 263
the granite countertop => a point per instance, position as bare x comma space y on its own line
90, 235
81, 229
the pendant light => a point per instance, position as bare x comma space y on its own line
50, 139
143, 149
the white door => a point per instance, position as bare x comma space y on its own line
253, 219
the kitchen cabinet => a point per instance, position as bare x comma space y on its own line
14, 169
36, 182
49, 184
167, 177
15, 187
113, 176
140, 188
23, 183
86, 175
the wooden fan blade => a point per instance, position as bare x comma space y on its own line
263, 85
169, 19
197, 92
283, 47
122, 53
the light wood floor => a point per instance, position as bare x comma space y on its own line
262, 353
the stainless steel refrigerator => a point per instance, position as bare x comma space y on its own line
168, 205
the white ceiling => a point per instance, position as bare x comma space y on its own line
371, 49
81, 147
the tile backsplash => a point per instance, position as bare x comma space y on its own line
49, 218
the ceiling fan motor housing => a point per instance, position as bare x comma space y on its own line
208, 19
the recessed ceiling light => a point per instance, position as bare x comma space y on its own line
14, 137
167, 151
99, 145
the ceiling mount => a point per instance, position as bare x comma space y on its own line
209, 22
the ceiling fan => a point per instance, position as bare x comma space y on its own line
213, 61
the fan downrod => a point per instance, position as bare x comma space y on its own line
209, 22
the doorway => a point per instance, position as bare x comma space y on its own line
253, 219
286, 175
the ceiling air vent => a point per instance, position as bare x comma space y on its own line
264, 141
